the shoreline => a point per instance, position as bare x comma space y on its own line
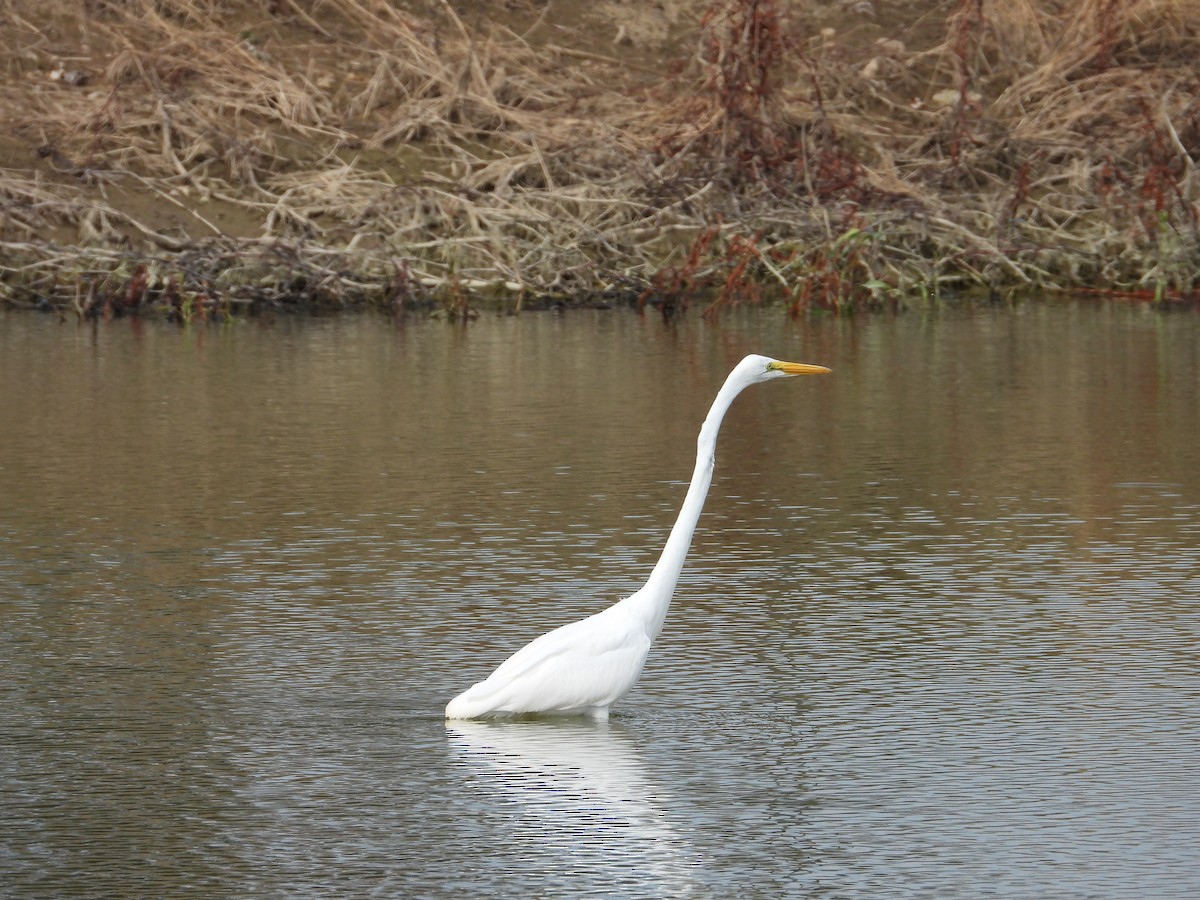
196, 158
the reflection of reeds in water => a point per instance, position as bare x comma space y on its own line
580, 801
355, 153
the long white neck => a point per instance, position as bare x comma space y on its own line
654, 598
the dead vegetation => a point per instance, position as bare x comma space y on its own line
202, 157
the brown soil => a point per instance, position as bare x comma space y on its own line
199, 156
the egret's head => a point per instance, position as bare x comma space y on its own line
763, 368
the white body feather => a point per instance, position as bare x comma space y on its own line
580, 668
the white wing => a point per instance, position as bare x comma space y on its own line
587, 664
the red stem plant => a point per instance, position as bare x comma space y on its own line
743, 46
966, 22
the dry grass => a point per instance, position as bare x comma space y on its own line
204, 157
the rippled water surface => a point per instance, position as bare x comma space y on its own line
939, 634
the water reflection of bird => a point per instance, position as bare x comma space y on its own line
586, 806
586, 666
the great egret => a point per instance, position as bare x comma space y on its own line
585, 667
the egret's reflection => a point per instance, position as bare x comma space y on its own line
581, 792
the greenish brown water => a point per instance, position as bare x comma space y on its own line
938, 634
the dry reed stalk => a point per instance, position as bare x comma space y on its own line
384, 156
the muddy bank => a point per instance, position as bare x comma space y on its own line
198, 157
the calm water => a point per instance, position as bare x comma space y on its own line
939, 634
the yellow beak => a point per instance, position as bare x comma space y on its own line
788, 368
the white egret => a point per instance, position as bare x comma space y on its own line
586, 666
